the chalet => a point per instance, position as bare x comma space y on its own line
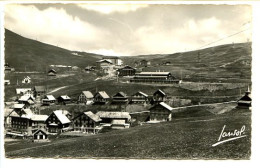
27, 100
101, 97
48, 100
58, 121
18, 108
145, 63
52, 72
26, 80
23, 91
154, 77
103, 64
161, 112
139, 98
159, 96
115, 120
64, 99
86, 97
8, 68
126, 71
115, 60
87, 122
40, 136
120, 98
39, 91
7, 82
38, 121
245, 101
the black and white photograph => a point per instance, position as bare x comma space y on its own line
133, 80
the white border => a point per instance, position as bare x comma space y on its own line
154, 163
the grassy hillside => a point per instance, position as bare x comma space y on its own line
184, 138
23, 53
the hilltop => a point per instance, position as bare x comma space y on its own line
24, 53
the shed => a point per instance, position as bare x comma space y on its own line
40, 136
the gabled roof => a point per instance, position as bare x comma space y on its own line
103, 94
88, 94
65, 97
52, 70
50, 97
40, 131
39, 88
108, 114
142, 93
23, 90
27, 113
120, 94
26, 98
164, 105
127, 67
93, 116
61, 116
18, 106
37, 117
160, 91
110, 57
7, 112
104, 60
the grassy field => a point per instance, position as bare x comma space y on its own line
182, 138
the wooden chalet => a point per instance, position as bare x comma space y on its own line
101, 97
48, 100
103, 64
86, 97
25, 122
161, 112
245, 101
154, 77
115, 60
120, 98
18, 108
115, 120
40, 135
87, 122
52, 72
27, 100
139, 98
58, 121
24, 91
126, 71
39, 91
64, 99
159, 96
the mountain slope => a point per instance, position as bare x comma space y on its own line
23, 53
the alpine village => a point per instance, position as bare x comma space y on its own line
62, 103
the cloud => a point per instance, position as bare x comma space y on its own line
110, 8
134, 29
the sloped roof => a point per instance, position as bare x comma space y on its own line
50, 97
22, 90
61, 116
7, 112
108, 114
246, 98
37, 117
121, 94
40, 130
26, 98
142, 93
88, 94
52, 70
104, 60
160, 91
18, 106
103, 94
93, 116
127, 67
65, 97
39, 88
166, 106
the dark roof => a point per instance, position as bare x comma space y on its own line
159, 91
120, 94
39, 88
109, 114
52, 70
110, 57
246, 98
127, 67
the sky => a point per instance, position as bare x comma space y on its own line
130, 29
